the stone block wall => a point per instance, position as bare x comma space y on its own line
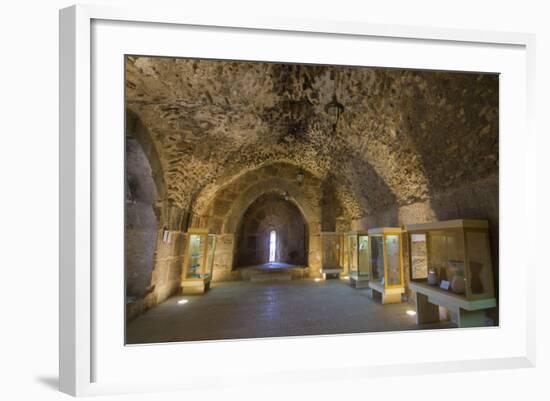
223, 259
168, 260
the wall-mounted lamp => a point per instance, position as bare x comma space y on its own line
334, 109
286, 195
300, 177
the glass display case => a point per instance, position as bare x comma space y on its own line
453, 256
332, 254
198, 261
451, 267
386, 280
358, 259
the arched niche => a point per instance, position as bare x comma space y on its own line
141, 223
271, 213
309, 210
153, 238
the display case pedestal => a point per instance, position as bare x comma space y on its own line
358, 281
429, 298
332, 254
195, 286
385, 295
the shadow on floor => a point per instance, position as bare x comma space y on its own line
51, 382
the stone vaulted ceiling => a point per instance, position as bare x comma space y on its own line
404, 134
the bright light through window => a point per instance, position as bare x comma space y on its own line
272, 245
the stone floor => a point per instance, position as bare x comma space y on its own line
244, 309
271, 266
272, 271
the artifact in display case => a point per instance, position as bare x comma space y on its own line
332, 254
198, 261
451, 267
358, 259
386, 280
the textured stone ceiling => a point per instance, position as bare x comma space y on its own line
403, 136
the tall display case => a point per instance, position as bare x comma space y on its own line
358, 259
332, 254
386, 280
198, 261
451, 267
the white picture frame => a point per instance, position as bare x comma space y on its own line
82, 333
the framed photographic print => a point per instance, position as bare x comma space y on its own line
259, 191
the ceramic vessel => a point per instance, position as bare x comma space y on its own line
432, 277
458, 284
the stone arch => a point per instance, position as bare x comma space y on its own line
146, 251
233, 176
141, 221
310, 211
271, 212
136, 129
222, 183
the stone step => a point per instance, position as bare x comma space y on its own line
271, 276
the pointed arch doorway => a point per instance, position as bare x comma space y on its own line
272, 232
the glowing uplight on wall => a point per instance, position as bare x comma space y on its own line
183, 301
411, 312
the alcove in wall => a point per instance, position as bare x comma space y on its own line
271, 213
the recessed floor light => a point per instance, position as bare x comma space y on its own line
411, 313
183, 301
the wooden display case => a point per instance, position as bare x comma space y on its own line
332, 254
451, 267
198, 261
358, 259
386, 280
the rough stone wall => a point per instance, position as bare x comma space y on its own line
141, 222
223, 259
475, 200
271, 212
